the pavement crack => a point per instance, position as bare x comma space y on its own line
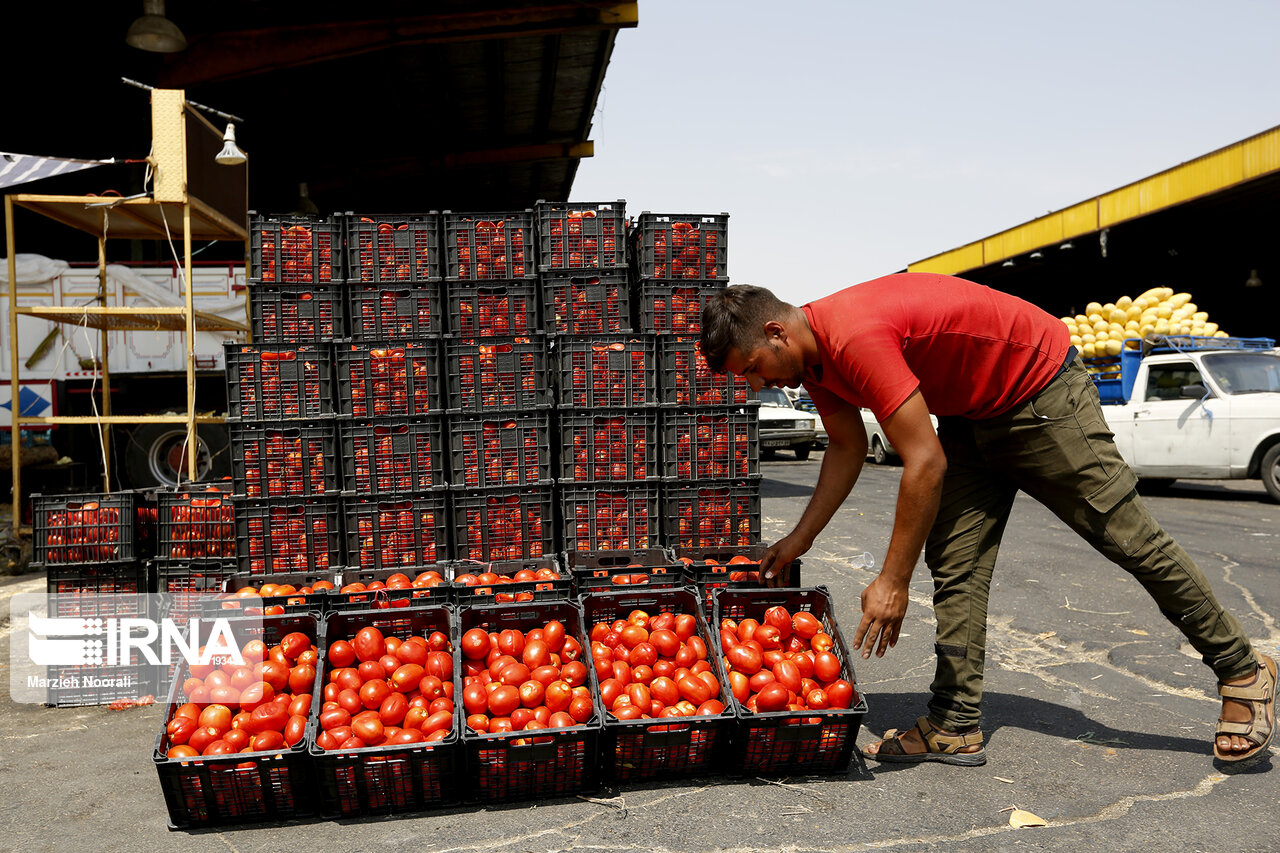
1269, 621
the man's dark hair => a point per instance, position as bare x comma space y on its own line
735, 317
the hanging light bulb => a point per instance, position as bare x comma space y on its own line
154, 32
1253, 280
230, 155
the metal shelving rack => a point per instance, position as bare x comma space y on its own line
211, 205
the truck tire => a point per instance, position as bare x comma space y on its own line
802, 453
1270, 472
878, 454
154, 457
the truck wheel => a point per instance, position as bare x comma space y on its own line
1270, 472
878, 454
802, 453
154, 454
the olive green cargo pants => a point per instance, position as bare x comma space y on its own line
1057, 448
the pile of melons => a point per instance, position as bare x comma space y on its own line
1102, 331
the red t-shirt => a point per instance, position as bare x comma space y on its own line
972, 351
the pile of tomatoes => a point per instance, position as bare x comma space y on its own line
690, 382
746, 569
283, 317
652, 666
502, 452
616, 374
85, 532
711, 446
588, 306
382, 314
497, 375
385, 690
390, 535
784, 662
487, 249
387, 253
488, 583
248, 600
524, 681
608, 519
684, 250
509, 526
282, 462
295, 537
302, 255
284, 384
380, 382
608, 448
576, 239
261, 705
493, 312
358, 591
394, 458
711, 517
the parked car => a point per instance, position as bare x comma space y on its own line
800, 399
879, 449
782, 426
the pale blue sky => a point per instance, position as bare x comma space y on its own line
847, 140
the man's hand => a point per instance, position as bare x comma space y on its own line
884, 604
774, 563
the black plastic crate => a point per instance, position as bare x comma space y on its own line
382, 589
785, 743
396, 532
394, 779
390, 456
493, 309
292, 315
285, 249
500, 451
389, 380
710, 569
598, 570
606, 371
599, 446
189, 584
665, 747
711, 513
586, 304
548, 763
505, 581
507, 374
682, 246
610, 516
91, 528
582, 235
148, 513
288, 535
503, 524
271, 382
277, 460
196, 522
272, 595
394, 312
393, 248
685, 380
672, 307
228, 790
710, 444
489, 246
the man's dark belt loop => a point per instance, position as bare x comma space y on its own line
1072, 352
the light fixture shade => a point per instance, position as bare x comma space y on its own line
230, 155
154, 32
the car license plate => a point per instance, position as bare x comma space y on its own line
775, 442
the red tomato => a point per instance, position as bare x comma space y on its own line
393, 709
582, 709
475, 644
553, 634
180, 730
267, 741
440, 721
805, 625
301, 679
745, 659
772, 697
786, 673
300, 705
350, 700
475, 698
840, 693
406, 678
181, 752
531, 693
341, 654
368, 729
826, 667
369, 645
503, 700
610, 690
371, 670
333, 718
295, 644
694, 689
216, 716
536, 653
373, 692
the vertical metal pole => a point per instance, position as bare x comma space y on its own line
104, 429
190, 317
15, 435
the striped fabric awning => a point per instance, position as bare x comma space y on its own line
23, 168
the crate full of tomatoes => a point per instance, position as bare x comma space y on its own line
585, 304
672, 307
582, 235
614, 371
288, 535
489, 246
272, 595
610, 516
509, 581
489, 450
503, 523
711, 444
276, 460
271, 382
398, 379
233, 747
85, 528
711, 513
536, 733
385, 719
681, 246
389, 456
487, 374
597, 446
666, 711
295, 250
684, 379
394, 312
282, 315
493, 309
396, 532
384, 589
786, 665
196, 522
393, 248
601, 570
710, 569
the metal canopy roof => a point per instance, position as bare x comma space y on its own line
1203, 226
380, 106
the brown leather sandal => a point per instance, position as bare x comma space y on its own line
1262, 692
939, 746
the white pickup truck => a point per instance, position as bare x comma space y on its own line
1197, 408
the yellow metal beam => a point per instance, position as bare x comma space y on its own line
121, 419
1214, 172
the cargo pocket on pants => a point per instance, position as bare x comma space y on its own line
1125, 522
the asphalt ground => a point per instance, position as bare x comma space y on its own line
1098, 719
